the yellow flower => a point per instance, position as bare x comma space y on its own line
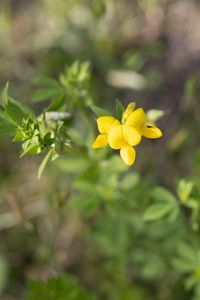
123, 136
118, 136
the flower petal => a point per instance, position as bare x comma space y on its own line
104, 124
137, 118
128, 154
151, 131
131, 135
101, 141
128, 111
115, 136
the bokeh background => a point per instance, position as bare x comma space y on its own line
146, 50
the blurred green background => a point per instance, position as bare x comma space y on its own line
91, 228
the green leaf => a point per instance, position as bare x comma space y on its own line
74, 68
19, 136
166, 205
55, 155
57, 102
44, 162
157, 211
5, 94
17, 111
100, 111
7, 128
30, 148
184, 190
129, 181
187, 259
119, 109
182, 266
187, 252
47, 82
163, 195
45, 94
84, 71
191, 282
47, 139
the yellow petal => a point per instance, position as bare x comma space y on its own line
128, 111
104, 124
131, 135
115, 136
137, 118
101, 141
128, 154
151, 131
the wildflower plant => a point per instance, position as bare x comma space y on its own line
124, 213
48, 132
